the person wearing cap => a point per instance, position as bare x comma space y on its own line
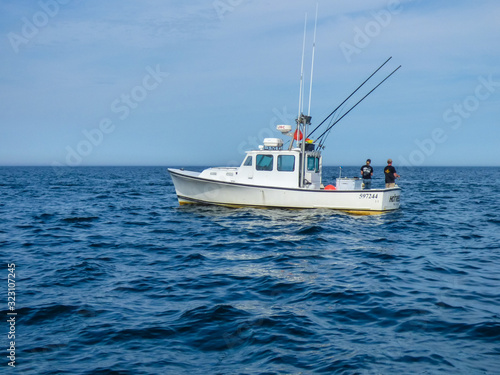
367, 173
390, 175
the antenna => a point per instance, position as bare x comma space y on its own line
302, 68
312, 62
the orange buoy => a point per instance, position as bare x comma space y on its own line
297, 135
330, 187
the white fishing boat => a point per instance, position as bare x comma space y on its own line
274, 176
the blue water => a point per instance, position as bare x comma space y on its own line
113, 277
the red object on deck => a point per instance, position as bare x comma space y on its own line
330, 187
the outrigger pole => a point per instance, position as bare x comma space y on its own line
312, 61
302, 120
340, 105
306, 120
345, 114
301, 88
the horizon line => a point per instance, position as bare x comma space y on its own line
235, 166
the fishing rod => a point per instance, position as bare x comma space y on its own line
335, 110
334, 118
364, 97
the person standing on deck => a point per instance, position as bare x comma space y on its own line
367, 173
390, 175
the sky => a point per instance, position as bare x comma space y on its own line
183, 83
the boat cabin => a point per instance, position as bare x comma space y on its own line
280, 168
270, 165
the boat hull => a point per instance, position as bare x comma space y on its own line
190, 188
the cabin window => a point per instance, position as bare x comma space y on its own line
286, 163
313, 163
264, 162
248, 161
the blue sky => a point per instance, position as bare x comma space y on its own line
177, 83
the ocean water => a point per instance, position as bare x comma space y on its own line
113, 277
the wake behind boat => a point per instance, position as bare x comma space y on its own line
274, 176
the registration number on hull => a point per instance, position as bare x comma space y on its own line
368, 196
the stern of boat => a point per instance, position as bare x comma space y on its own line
391, 199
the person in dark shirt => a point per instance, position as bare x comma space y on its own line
390, 174
367, 173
